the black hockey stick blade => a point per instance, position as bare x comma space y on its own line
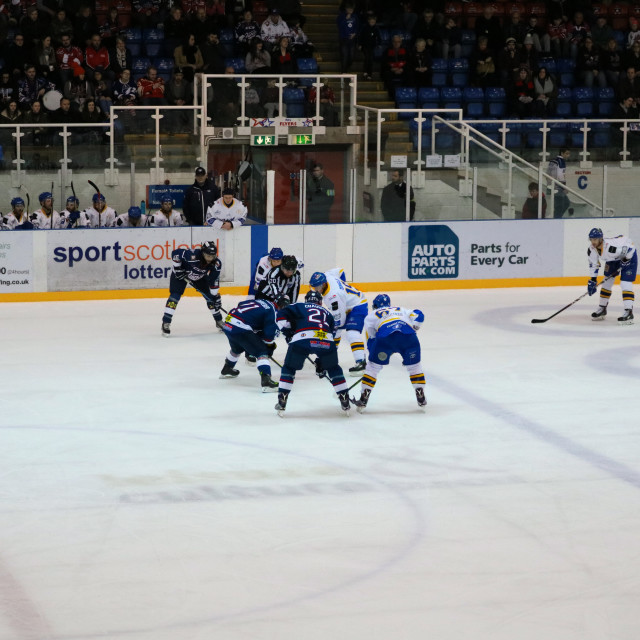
73, 190
94, 185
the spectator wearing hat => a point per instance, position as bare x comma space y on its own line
541, 39
78, 90
226, 213
528, 54
589, 65
199, 197
273, 28
601, 32
509, 61
179, 93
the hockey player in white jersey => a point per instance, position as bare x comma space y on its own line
165, 216
392, 330
133, 218
99, 215
349, 308
619, 257
46, 217
226, 212
73, 217
17, 218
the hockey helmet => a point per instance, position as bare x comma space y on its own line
381, 300
74, 200
317, 279
595, 233
45, 195
98, 197
276, 253
209, 248
282, 301
17, 202
313, 297
166, 198
289, 263
134, 212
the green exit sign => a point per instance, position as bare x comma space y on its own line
301, 138
264, 141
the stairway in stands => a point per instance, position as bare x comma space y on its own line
323, 32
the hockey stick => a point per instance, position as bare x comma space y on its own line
270, 357
26, 193
539, 320
355, 383
95, 186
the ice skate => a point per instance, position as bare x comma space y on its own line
281, 405
166, 329
268, 384
345, 403
421, 398
358, 369
228, 371
599, 314
626, 317
361, 403
251, 360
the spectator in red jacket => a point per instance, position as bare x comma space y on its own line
394, 67
151, 88
97, 58
530, 207
68, 56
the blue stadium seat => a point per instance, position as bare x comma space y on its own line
496, 98
605, 101
468, 42
549, 64
576, 135
563, 110
227, 45
292, 95
133, 37
307, 65
557, 134
451, 99
490, 129
459, 71
153, 42
439, 68
406, 98
164, 66
566, 69
139, 66
295, 111
600, 134
620, 38
473, 97
583, 98
236, 63
429, 97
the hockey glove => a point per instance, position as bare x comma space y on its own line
592, 286
74, 216
271, 347
181, 274
25, 226
217, 302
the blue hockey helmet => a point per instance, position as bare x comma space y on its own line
276, 253
74, 200
45, 195
381, 300
98, 197
314, 297
17, 202
282, 301
134, 212
209, 248
317, 279
595, 233
166, 198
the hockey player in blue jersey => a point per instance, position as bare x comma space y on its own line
309, 328
392, 330
251, 328
201, 269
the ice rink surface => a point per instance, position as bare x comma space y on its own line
143, 498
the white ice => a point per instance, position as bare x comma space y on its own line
143, 498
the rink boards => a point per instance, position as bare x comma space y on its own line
110, 263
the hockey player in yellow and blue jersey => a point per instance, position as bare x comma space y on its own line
251, 328
349, 308
619, 257
392, 330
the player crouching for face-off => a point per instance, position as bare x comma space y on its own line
349, 308
251, 328
619, 257
201, 269
308, 328
392, 330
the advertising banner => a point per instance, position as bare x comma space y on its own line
98, 259
175, 191
16, 261
491, 250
